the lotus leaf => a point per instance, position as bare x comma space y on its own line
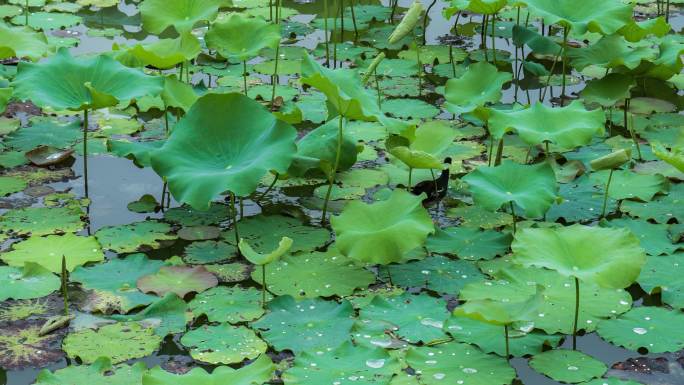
568, 127
23, 346
581, 201
608, 90
469, 243
228, 304
30, 281
479, 85
48, 251
568, 365
538, 43
384, 231
583, 15
223, 343
662, 274
45, 133
22, 42
100, 372
158, 15
409, 108
237, 158
130, 238
626, 184
163, 54
436, 273
307, 325
652, 328
674, 157
611, 51
238, 37
654, 238
120, 342
458, 362
187, 216
259, 371
264, 233
138, 152
635, 31
48, 20
10, 185
199, 233
208, 252
484, 7
66, 83
180, 280
41, 221
661, 209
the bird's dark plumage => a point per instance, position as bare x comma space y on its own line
434, 189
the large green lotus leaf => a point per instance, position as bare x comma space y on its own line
653, 328
308, 325
66, 83
343, 90
48, 20
45, 132
348, 364
488, 337
264, 233
591, 254
316, 151
120, 342
453, 362
436, 273
100, 372
187, 216
531, 187
122, 275
157, 15
568, 127
48, 251
129, 238
382, 232
314, 274
608, 90
626, 184
540, 44
23, 347
258, 372
199, 253
654, 238
223, 344
610, 52
635, 31
662, 209
238, 37
30, 281
41, 221
178, 279
138, 152
469, 243
581, 16
582, 201
484, 7
207, 155
163, 53
167, 315
407, 108
669, 62
22, 42
663, 275
228, 304
568, 366
479, 85
478, 217
414, 318
5, 95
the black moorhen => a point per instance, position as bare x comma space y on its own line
434, 189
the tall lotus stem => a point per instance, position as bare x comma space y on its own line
408, 188
483, 36
630, 127
263, 286
270, 187
334, 32
425, 20
508, 350
377, 87
577, 304
270, 10
275, 79
499, 152
342, 19
373, 68
233, 212
85, 151
394, 10
353, 15
515, 220
420, 68
331, 177
605, 195
553, 67
26, 12
494, 37
244, 75
325, 26
65, 280
565, 43
667, 12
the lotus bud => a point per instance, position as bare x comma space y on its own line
371, 68
612, 161
407, 23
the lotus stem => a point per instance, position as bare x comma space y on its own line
263, 286
546, 149
434, 181
491, 150
494, 37
331, 177
548, 78
270, 10
244, 75
353, 15
270, 187
420, 66
163, 196
425, 20
394, 10
630, 127
233, 212
275, 80
499, 152
515, 225
180, 73
508, 351
565, 43
451, 60
26, 12
65, 279
577, 304
667, 12
605, 195
408, 188
377, 87
325, 26
483, 36
85, 151
389, 274
342, 20
334, 32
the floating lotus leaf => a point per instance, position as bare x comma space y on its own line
100, 372
264, 233
436, 273
187, 216
581, 201
48, 251
258, 372
583, 15
120, 342
661, 209
315, 274
199, 233
206, 156
568, 365
238, 37
409, 109
31, 281
23, 346
413, 318
652, 328
158, 15
48, 20
167, 315
146, 204
45, 132
308, 325
531, 187
540, 44
453, 362
663, 275
228, 304
223, 343
568, 127
132, 237
41, 221
608, 90
626, 184
611, 51
384, 231
22, 42
177, 279
209, 252
589, 253
66, 83
479, 85
346, 364
10, 185
424, 147
469, 243
654, 238
488, 337
230, 272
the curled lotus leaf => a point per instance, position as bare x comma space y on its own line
480, 84
22, 42
238, 37
265, 258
